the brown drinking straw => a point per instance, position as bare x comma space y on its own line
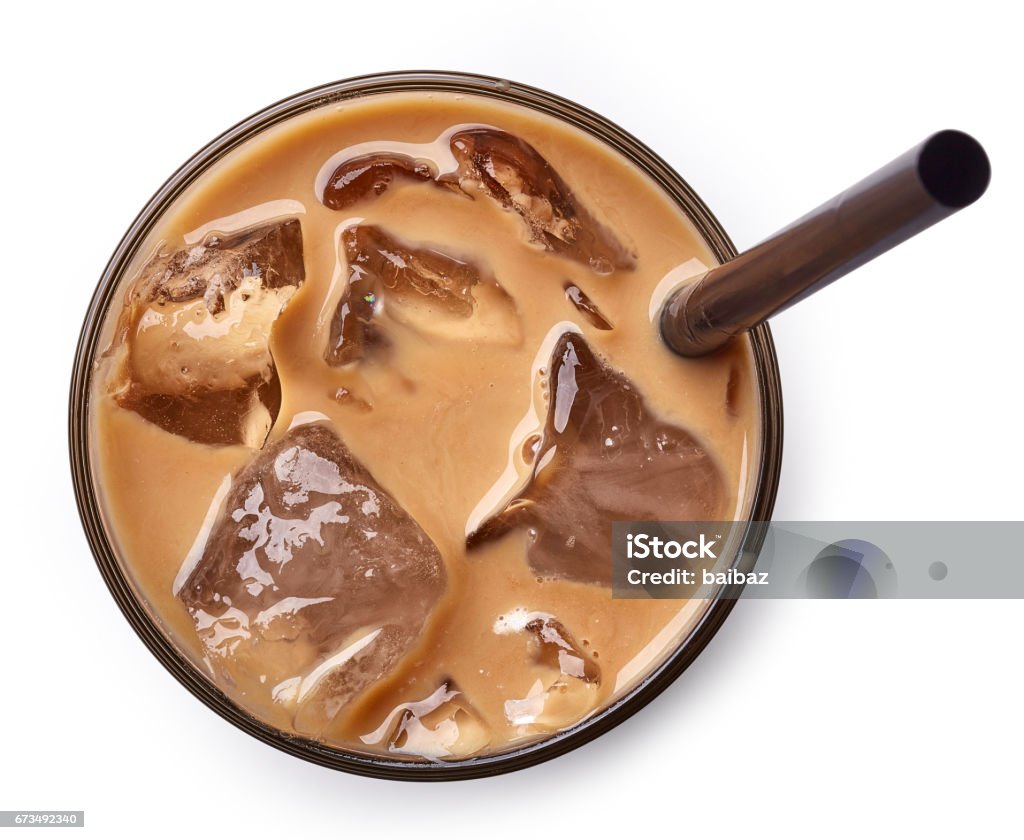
945, 173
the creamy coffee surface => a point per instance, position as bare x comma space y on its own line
375, 390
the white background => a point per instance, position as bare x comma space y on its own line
902, 396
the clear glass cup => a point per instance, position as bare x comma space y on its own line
119, 581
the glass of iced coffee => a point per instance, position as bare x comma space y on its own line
359, 397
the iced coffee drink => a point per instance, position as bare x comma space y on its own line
371, 399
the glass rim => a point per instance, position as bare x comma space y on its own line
547, 747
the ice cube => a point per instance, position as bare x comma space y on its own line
420, 286
565, 677
603, 456
313, 582
442, 726
506, 168
585, 306
554, 647
370, 175
194, 353
514, 173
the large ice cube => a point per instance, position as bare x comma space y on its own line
421, 288
313, 582
506, 168
194, 352
603, 456
515, 174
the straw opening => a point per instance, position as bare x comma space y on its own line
954, 168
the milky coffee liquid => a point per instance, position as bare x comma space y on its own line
376, 388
